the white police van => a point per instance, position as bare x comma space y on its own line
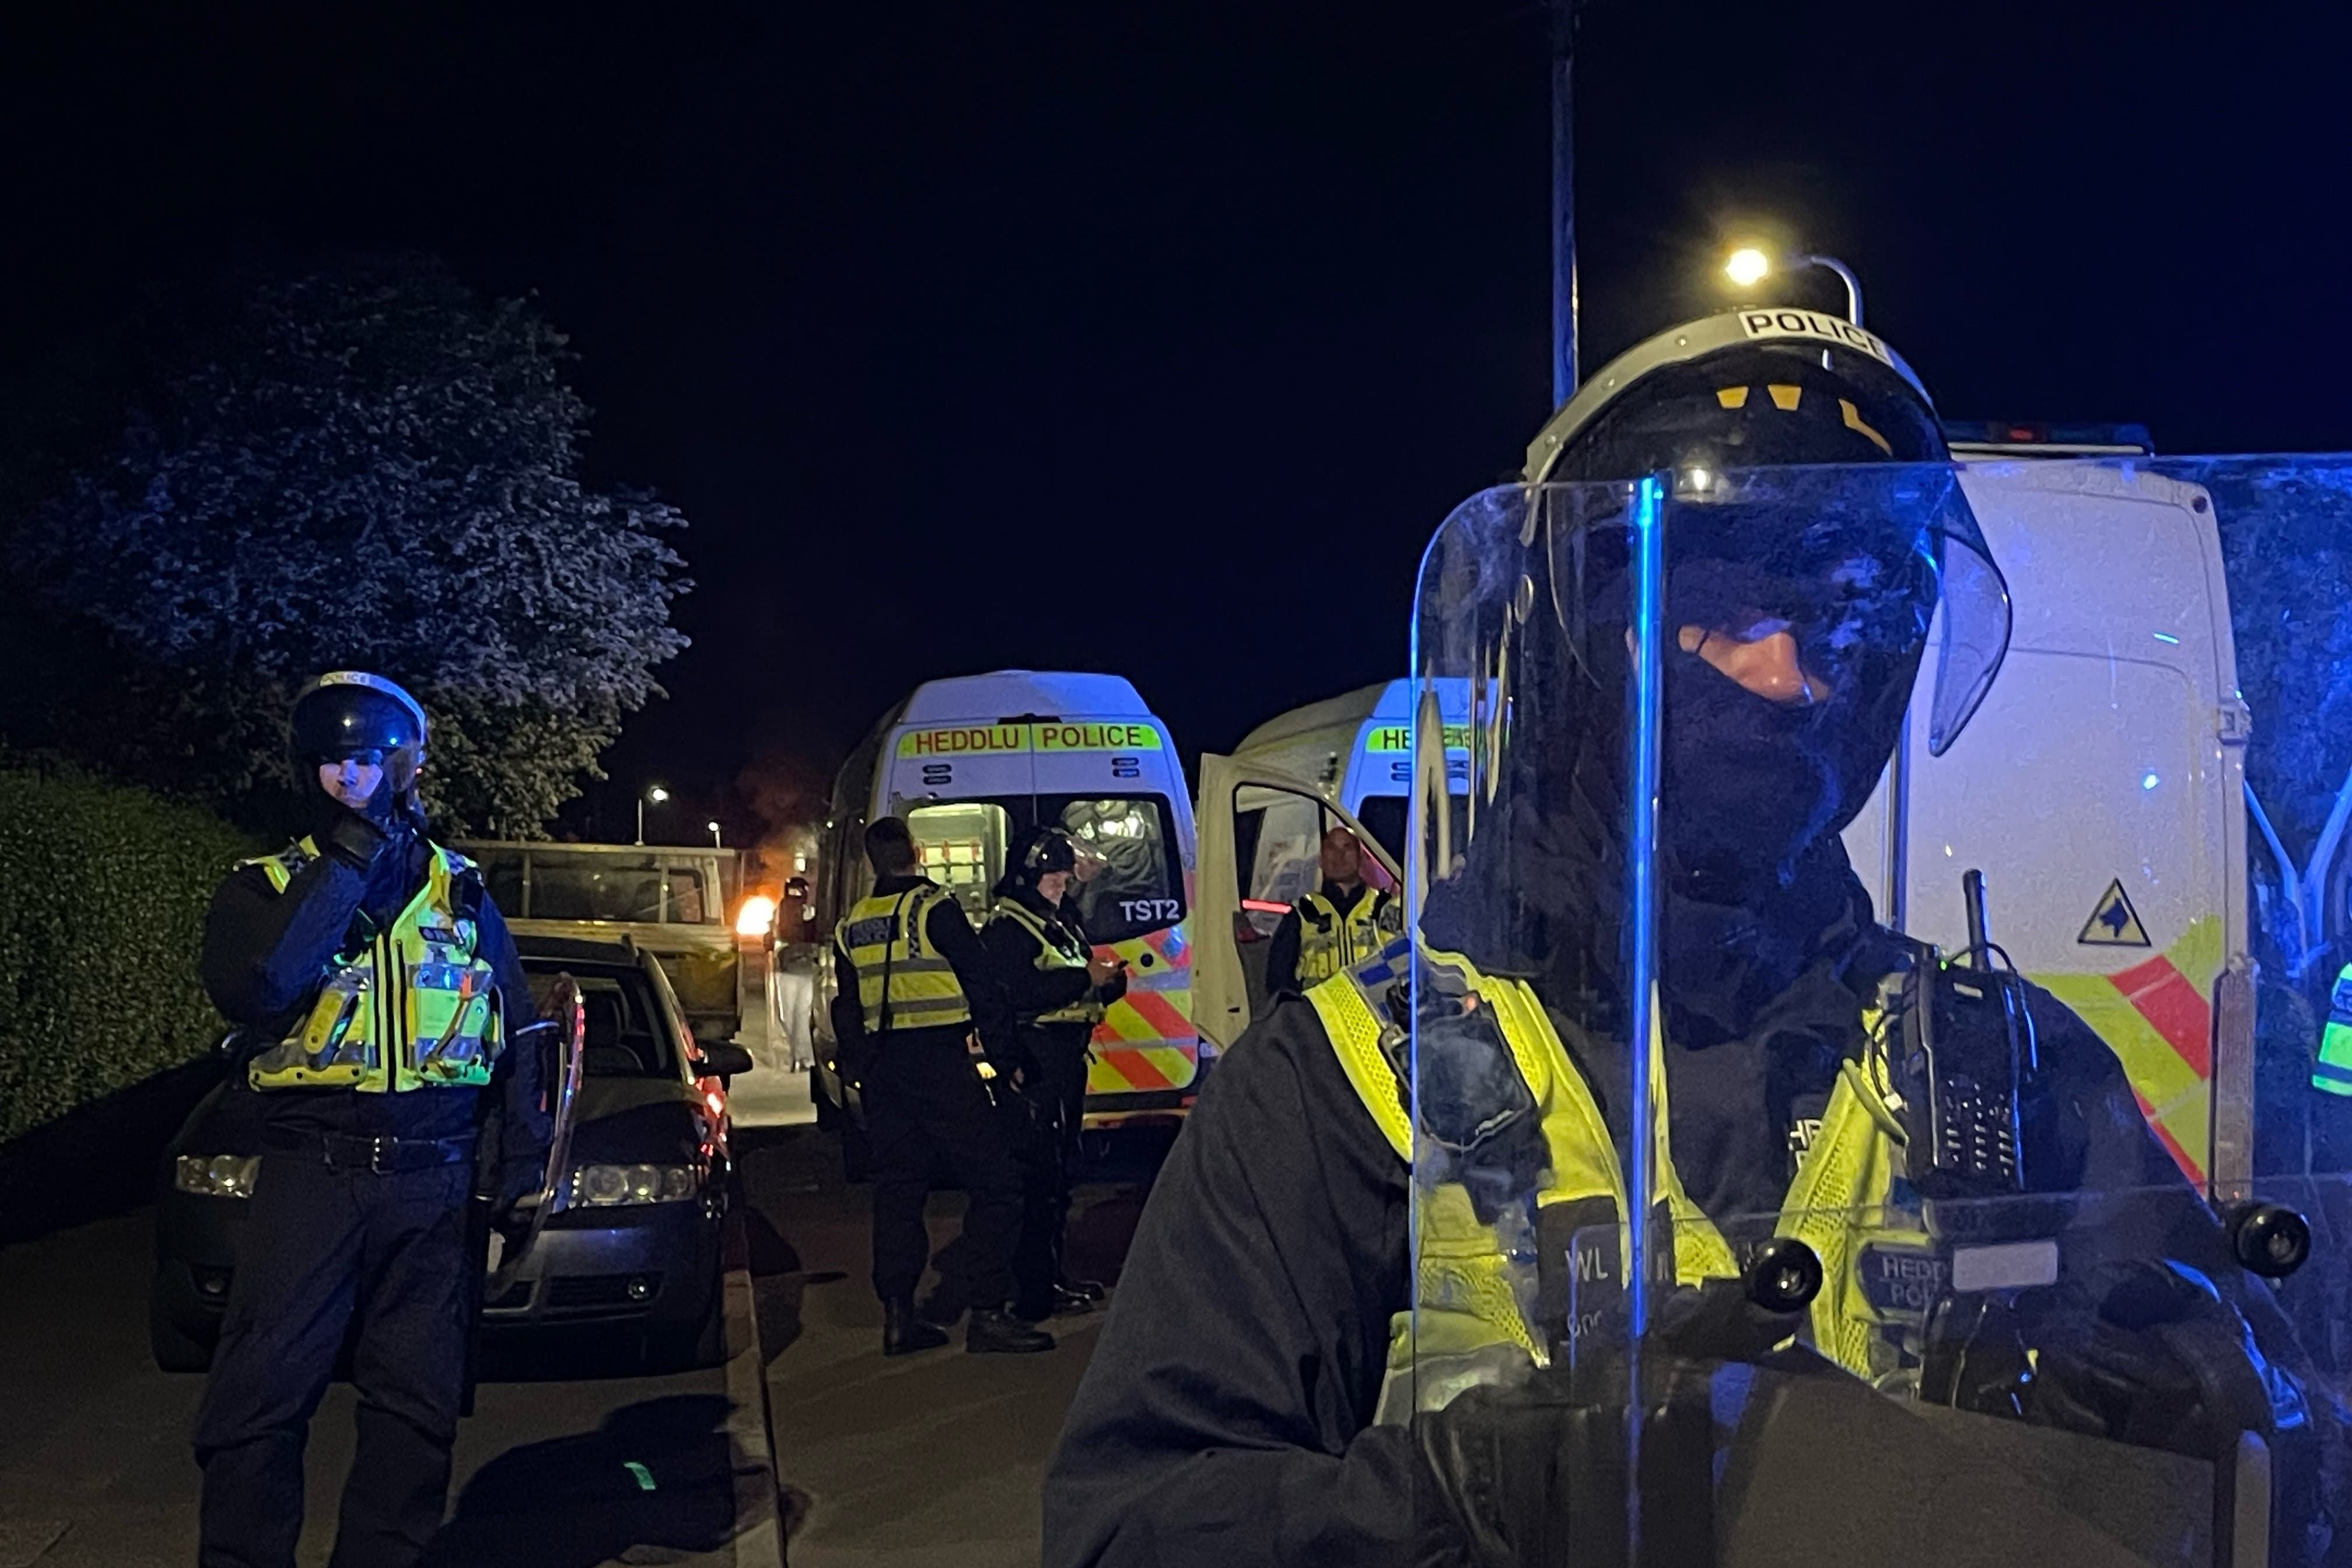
968, 762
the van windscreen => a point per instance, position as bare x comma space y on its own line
1131, 876
1130, 880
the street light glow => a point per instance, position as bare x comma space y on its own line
657, 795
1747, 265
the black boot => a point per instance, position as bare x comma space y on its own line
1068, 1302
994, 1330
903, 1332
1092, 1290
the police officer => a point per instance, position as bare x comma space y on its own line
916, 1022
1272, 1386
385, 1024
1039, 956
1334, 928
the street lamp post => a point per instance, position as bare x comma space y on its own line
714, 835
657, 794
1750, 265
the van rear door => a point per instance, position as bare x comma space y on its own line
2099, 788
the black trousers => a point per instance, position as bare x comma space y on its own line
321, 1246
925, 1106
1058, 1109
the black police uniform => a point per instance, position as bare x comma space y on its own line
1226, 1416
1052, 1059
925, 1103
360, 1216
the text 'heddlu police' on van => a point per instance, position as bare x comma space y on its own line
1003, 739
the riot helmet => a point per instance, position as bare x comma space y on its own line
1763, 389
1810, 528
1035, 854
350, 713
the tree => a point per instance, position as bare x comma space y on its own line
366, 468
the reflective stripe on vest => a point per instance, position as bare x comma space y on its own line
2331, 1073
1330, 940
1472, 1324
885, 937
1058, 950
412, 1006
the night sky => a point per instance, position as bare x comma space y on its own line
1156, 338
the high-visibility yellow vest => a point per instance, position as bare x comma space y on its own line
1470, 1316
1058, 949
1331, 940
2332, 1072
414, 1006
903, 982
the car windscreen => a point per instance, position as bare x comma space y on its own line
627, 1036
554, 884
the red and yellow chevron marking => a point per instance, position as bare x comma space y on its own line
1146, 1041
2158, 1017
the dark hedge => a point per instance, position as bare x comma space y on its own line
102, 895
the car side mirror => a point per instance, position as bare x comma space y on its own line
725, 1060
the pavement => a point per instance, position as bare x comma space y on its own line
776, 1092
95, 1469
572, 1460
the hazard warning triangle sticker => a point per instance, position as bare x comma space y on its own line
2115, 924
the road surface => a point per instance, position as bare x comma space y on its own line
911, 1462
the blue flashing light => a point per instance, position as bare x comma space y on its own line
2150, 781
2166, 637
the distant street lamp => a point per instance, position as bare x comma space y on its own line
1750, 265
714, 835
657, 794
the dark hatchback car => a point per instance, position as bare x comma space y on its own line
632, 1241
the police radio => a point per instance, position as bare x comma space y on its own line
1968, 1052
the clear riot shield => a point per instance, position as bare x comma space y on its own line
1936, 1261
561, 1051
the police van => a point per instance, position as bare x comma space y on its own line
1358, 746
971, 761
2099, 788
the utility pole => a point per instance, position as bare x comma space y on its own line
1563, 200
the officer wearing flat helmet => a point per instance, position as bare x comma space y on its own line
1329, 1344
386, 1027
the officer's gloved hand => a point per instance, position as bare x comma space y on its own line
1495, 1463
351, 839
1719, 1321
2151, 1355
521, 1178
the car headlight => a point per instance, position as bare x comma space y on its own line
217, 1175
610, 1186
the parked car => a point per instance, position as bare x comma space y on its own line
631, 1241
